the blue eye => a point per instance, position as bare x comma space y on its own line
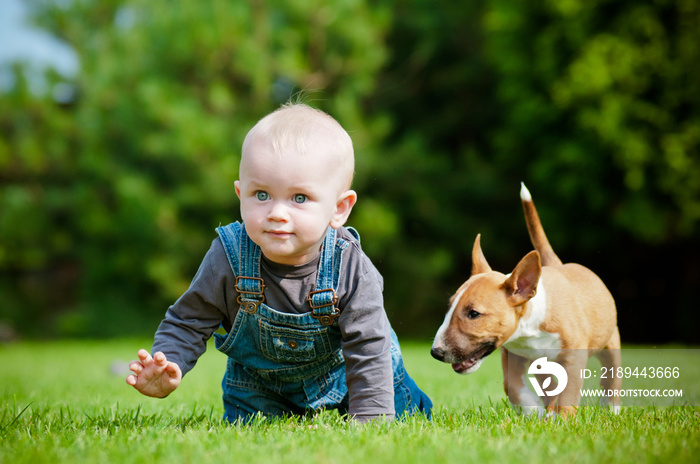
262, 196
299, 198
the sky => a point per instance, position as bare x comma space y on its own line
20, 41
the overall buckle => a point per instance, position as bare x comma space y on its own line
251, 292
250, 305
325, 319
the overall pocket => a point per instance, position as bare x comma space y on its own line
225, 343
288, 345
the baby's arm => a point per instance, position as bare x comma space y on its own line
366, 347
154, 376
187, 326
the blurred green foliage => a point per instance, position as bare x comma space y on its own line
109, 197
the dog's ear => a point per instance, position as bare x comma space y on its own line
522, 283
479, 264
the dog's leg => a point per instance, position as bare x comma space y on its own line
567, 402
514, 383
611, 359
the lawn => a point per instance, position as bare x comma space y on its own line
66, 401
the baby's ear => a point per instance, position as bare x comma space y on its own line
343, 208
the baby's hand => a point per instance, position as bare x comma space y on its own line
154, 376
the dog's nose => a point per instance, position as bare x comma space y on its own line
438, 353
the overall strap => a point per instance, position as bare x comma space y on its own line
244, 257
323, 300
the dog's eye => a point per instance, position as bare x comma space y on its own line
471, 314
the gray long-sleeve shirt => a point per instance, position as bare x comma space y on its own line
210, 302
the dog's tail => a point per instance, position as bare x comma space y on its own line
534, 227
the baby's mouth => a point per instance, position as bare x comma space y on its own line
279, 233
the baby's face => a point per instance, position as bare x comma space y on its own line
288, 202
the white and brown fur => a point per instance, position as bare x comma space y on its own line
542, 305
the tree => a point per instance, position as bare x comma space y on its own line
167, 92
593, 104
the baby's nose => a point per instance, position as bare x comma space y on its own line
278, 212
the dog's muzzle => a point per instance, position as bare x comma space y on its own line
438, 353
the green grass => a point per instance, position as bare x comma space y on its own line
62, 402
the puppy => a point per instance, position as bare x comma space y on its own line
543, 308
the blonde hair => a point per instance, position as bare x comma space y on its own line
299, 125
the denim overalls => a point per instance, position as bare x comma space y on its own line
281, 363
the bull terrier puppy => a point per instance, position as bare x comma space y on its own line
542, 308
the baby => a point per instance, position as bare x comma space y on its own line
300, 302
